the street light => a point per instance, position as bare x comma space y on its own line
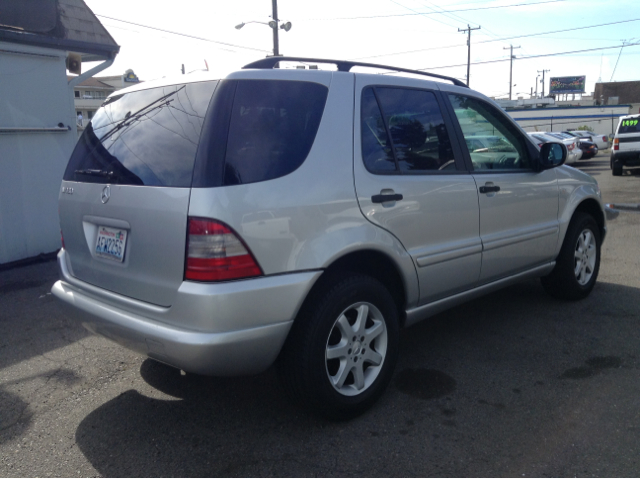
273, 24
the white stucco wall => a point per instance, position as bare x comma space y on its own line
33, 94
601, 119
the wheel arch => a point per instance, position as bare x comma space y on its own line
593, 208
371, 263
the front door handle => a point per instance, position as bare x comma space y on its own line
489, 189
383, 198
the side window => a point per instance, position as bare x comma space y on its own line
493, 143
272, 128
376, 147
403, 131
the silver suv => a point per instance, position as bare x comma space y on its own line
305, 216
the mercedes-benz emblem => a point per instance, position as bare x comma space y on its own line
106, 194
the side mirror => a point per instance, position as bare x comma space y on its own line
552, 155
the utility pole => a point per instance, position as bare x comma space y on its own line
511, 57
276, 43
468, 30
543, 72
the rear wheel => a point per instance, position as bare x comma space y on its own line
616, 167
342, 349
578, 263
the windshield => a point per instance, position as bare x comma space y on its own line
147, 137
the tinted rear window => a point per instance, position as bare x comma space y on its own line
631, 125
258, 130
148, 137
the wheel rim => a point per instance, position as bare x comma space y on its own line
356, 349
585, 257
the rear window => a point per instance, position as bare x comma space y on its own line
630, 125
258, 130
148, 137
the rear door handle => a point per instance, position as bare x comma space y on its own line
383, 198
489, 189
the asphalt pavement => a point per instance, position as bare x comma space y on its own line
513, 384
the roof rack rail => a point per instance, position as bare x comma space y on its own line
345, 66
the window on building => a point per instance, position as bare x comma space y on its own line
77, 93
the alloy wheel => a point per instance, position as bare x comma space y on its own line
356, 349
585, 257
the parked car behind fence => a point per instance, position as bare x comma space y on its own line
600, 140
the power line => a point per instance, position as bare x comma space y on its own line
531, 56
184, 34
417, 13
434, 12
624, 42
501, 39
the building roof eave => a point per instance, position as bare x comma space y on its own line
89, 51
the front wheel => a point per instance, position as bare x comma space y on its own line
342, 349
578, 263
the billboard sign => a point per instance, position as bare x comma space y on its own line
567, 84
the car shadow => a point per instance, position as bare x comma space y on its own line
631, 172
189, 425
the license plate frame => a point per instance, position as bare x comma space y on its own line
111, 243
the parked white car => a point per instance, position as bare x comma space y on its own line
601, 141
573, 152
626, 144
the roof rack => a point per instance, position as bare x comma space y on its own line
345, 66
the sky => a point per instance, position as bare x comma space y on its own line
565, 37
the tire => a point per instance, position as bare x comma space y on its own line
578, 263
616, 167
342, 348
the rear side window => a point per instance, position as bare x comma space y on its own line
631, 125
258, 130
403, 131
148, 137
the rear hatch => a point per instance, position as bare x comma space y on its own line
126, 189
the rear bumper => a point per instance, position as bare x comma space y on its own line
627, 158
262, 313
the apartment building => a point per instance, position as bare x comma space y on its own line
91, 93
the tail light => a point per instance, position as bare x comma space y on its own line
604, 138
570, 146
616, 144
216, 253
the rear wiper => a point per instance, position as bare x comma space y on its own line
100, 173
145, 110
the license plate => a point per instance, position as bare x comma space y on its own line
111, 243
